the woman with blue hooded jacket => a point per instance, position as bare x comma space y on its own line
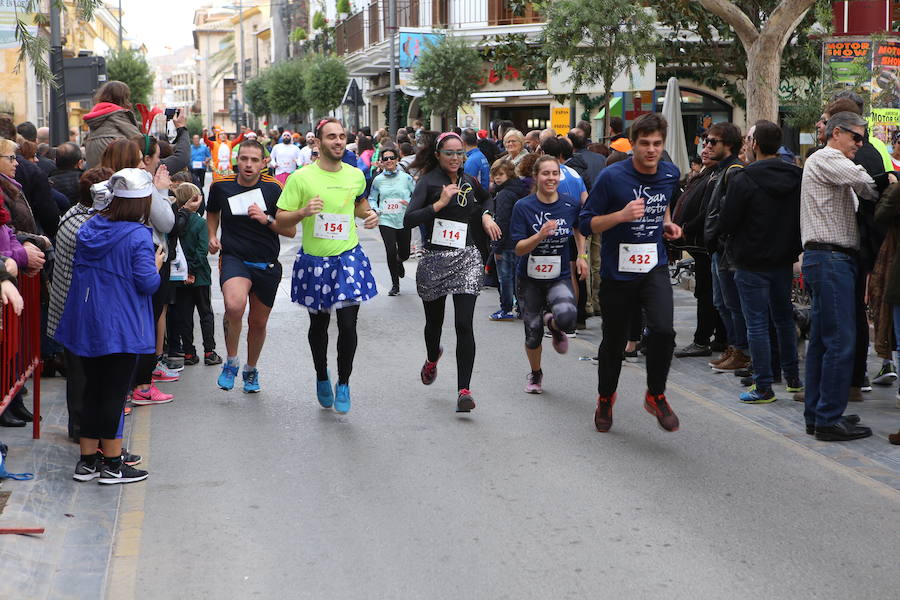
108, 317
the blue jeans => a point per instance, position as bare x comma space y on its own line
728, 303
829, 355
506, 276
764, 293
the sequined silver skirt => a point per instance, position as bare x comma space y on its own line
452, 271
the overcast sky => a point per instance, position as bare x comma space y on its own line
163, 25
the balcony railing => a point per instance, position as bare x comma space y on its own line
369, 26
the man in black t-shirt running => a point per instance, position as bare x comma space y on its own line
245, 206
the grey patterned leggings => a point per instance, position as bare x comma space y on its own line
556, 296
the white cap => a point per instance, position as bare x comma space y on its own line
127, 183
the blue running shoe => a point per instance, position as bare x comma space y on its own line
342, 398
226, 378
756, 396
325, 392
251, 381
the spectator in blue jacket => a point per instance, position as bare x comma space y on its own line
108, 317
477, 164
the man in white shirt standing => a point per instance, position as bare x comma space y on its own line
284, 157
306, 152
831, 190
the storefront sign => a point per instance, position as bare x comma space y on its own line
10, 11
559, 120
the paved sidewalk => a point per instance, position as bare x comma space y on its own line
873, 457
69, 560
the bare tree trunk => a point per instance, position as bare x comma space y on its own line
763, 77
764, 48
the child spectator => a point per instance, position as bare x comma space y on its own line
194, 291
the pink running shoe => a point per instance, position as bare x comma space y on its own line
163, 374
560, 339
533, 382
150, 397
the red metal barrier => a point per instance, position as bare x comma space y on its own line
20, 348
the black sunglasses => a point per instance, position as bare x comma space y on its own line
388, 157
857, 138
711, 141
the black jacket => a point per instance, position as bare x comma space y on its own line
689, 212
66, 182
505, 197
760, 218
36, 187
713, 199
587, 164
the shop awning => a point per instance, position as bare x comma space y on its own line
613, 106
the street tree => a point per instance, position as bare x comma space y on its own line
34, 48
763, 38
615, 36
448, 72
325, 81
256, 94
129, 66
285, 86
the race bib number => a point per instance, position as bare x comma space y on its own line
637, 258
198, 164
330, 226
544, 267
449, 233
391, 206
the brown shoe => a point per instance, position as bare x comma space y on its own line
603, 415
737, 360
894, 438
722, 357
800, 396
657, 406
855, 395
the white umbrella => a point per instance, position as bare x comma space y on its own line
675, 144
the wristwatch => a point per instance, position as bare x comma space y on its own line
270, 219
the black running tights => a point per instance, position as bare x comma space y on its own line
107, 379
396, 248
346, 344
464, 309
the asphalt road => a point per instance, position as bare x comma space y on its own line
269, 496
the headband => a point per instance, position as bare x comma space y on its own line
444, 136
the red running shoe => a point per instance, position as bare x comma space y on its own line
656, 405
464, 402
603, 419
429, 369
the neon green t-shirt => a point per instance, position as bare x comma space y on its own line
323, 233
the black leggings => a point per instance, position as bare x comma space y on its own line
107, 381
464, 311
346, 344
396, 246
653, 293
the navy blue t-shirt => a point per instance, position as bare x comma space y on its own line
616, 186
529, 215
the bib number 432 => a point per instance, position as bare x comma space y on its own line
637, 258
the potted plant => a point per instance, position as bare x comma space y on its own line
343, 8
